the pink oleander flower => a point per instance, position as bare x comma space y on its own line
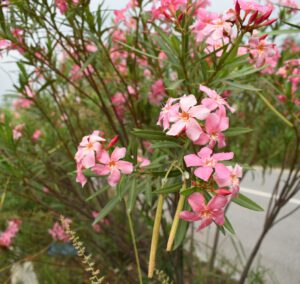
289, 3
214, 100
58, 232
169, 111
22, 103
18, 131
229, 176
118, 100
62, 5
166, 8
215, 124
77, 74
252, 6
185, 120
11, 231
206, 162
213, 211
157, 93
80, 177
91, 47
88, 149
36, 135
98, 226
113, 165
260, 50
142, 161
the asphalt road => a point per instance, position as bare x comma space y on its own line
280, 251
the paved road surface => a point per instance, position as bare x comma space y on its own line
280, 252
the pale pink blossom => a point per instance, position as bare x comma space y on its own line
260, 50
18, 131
89, 147
253, 6
214, 100
91, 47
142, 161
22, 103
77, 73
213, 211
229, 176
215, 124
185, 119
206, 162
36, 135
113, 166
169, 111
58, 232
157, 93
62, 5
11, 231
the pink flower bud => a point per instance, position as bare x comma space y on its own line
113, 142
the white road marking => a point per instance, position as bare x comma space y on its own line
265, 194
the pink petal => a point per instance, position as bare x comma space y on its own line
212, 123
222, 171
125, 167
203, 173
219, 217
223, 156
205, 152
176, 128
114, 177
209, 103
89, 159
217, 202
199, 112
189, 216
196, 201
193, 129
104, 158
186, 102
203, 139
192, 160
206, 222
118, 153
101, 170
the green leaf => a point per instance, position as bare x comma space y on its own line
240, 86
132, 195
292, 25
152, 135
235, 131
107, 209
138, 51
282, 32
244, 201
169, 189
281, 116
227, 225
188, 191
175, 85
165, 144
98, 192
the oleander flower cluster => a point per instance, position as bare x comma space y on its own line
101, 159
203, 124
6, 237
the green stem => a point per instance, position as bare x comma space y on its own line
155, 236
136, 253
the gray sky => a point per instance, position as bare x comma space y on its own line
7, 68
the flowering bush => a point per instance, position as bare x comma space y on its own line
163, 108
